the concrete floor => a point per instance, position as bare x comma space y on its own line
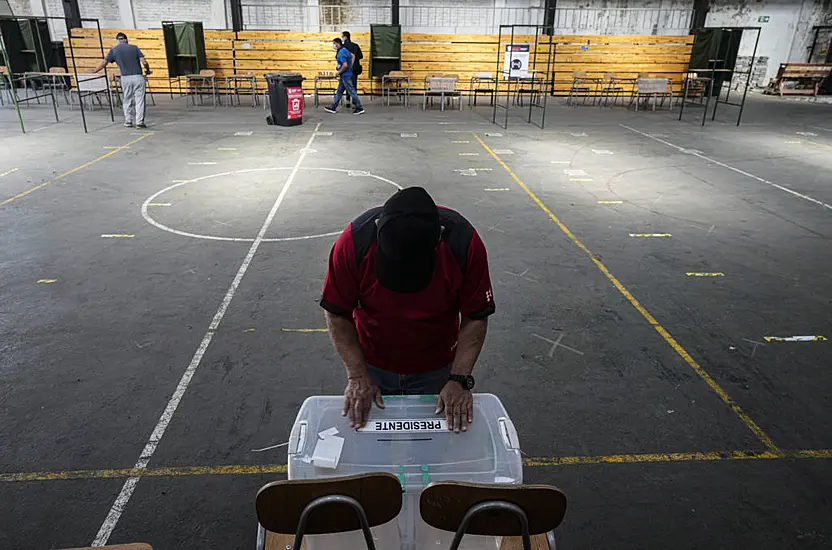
670, 424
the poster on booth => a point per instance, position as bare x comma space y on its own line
516, 61
295, 107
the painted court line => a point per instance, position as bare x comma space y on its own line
733, 169
648, 235
531, 462
47, 281
610, 202
118, 236
12, 171
795, 339
167, 415
304, 330
703, 274
671, 341
65, 174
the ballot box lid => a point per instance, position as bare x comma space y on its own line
407, 439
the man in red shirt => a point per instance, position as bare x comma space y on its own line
407, 298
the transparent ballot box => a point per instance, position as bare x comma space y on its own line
409, 440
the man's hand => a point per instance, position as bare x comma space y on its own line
458, 404
358, 400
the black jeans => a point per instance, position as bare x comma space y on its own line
426, 383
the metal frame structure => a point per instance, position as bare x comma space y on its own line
546, 31
713, 69
815, 33
67, 22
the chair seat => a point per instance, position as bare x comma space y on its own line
279, 541
539, 542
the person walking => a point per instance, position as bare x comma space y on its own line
407, 296
355, 50
344, 60
129, 59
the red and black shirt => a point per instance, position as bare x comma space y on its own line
415, 332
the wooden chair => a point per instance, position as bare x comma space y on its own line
323, 83
400, 86
482, 83
580, 85
57, 83
5, 85
289, 510
531, 86
525, 515
198, 84
609, 87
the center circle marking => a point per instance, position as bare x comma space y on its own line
146, 215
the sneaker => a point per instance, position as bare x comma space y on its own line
128, 124
141, 125
330, 110
358, 111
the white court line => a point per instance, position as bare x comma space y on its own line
729, 167
167, 415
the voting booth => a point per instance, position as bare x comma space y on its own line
409, 440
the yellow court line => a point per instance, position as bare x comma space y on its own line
12, 171
531, 462
65, 174
304, 330
750, 424
810, 142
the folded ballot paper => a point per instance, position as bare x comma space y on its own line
327, 451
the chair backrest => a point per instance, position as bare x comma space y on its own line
444, 506
396, 73
207, 72
484, 76
326, 73
609, 76
280, 504
579, 74
58, 70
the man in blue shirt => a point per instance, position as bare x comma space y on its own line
344, 60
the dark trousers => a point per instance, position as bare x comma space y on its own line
426, 383
345, 85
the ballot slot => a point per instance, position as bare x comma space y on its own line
409, 440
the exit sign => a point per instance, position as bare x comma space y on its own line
763, 19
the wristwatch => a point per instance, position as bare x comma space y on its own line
467, 382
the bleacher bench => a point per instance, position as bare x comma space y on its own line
807, 78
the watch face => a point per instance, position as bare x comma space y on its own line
469, 382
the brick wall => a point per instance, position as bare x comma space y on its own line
106, 11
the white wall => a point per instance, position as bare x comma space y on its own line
786, 36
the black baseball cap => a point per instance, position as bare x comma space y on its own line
121, 36
408, 234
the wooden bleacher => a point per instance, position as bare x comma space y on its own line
464, 55
807, 78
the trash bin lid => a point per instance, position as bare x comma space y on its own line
284, 76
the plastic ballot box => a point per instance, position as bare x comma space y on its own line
409, 440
